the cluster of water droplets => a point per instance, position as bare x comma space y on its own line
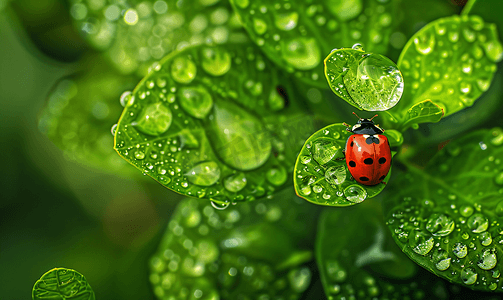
453, 57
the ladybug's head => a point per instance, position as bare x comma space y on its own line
366, 126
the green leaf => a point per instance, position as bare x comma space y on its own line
489, 10
62, 284
296, 35
321, 175
135, 33
448, 217
243, 252
219, 123
423, 112
367, 81
80, 112
451, 62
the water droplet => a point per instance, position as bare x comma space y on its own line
216, 61
138, 154
126, 99
299, 279
183, 69
420, 242
485, 239
238, 137
305, 159
494, 51
302, 53
425, 43
493, 286
442, 260
440, 225
305, 190
259, 26
236, 182
460, 250
355, 193
336, 175
487, 259
482, 146
478, 223
155, 119
468, 275
498, 179
242, 3
286, 21
219, 206
325, 149
335, 271
345, 10
469, 35
276, 176
204, 174
466, 211
317, 189
196, 101
113, 130
376, 84
453, 36
465, 87
357, 47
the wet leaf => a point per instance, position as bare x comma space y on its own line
297, 35
135, 33
372, 266
451, 62
219, 123
448, 217
245, 251
489, 10
62, 283
423, 112
367, 81
80, 112
321, 175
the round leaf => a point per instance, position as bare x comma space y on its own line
62, 283
214, 122
321, 175
297, 34
448, 216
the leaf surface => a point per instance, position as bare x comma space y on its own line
447, 217
219, 123
62, 283
245, 251
423, 112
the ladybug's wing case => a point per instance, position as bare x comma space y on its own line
368, 160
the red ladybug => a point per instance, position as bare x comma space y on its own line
368, 154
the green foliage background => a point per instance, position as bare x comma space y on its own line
56, 211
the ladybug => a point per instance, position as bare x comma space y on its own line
368, 154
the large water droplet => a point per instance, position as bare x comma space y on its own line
375, 84
485, 239
259, 26
236, 182
302, 53
425, 43
126, 99
286, 21
216, 61
460, 250
155, 119
440, 225
277, 175
494, 51
355, 193
238, 137
196, 101
487, 259
478, 223
204, 174
345, 9
420, 242
183, 69
442, 260
219, 206
468, 275
325, 149
336, 175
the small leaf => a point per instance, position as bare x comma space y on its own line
215, 122
447, 217
62, 283
321, 175
133, 34
367, 81
252, 250
296, 35
451, 62
423, 112
80, 113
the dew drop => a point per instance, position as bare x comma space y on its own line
126, 99
204, 174
440, 225
183, 69
335, 271
302, 53
442, 260
259, 26
286, 21
485, 239
466, 211
478, 223
113, 130
487, 259
219, 206
425, 43
277, 176
304, 159
299, 279
138, 154
335, 175
469, 35
468, 275
460, 250
216, 61
357, 47
325, 149
355, 193
155, 119
420, 242
345, 10
494, 51
196, 101
235, 183
242, 3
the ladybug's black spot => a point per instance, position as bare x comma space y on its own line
352, 164
363, 178
372, 139
382, 177
368, 161
352, 143
382, 160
